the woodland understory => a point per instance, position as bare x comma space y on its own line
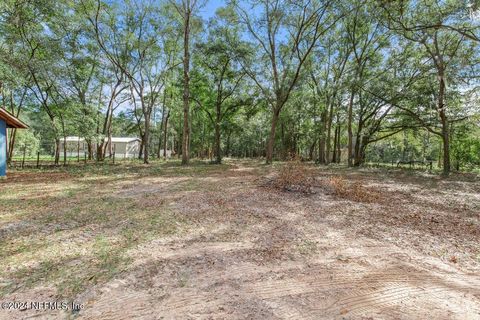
241, 240
349, 81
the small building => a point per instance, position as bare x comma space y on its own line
125, 147
168, 153
7, 120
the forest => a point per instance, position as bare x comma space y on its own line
326, 81
240, 159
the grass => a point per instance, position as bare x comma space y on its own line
307, 247
436, 169
73, 228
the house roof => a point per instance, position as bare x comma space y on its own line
126, 139
72, 138
114, 139
11, 120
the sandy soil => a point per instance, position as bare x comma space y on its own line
256, 252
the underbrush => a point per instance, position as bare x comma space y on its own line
294, 176
354, 191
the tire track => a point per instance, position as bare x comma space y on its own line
288, 287
364, 295
371, 299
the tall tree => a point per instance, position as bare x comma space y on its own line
38, 29
442, 33
186, 10
219, 78
131, 38
285, 33
327, 71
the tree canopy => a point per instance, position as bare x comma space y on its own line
328, 81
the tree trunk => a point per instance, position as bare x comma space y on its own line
285, 149
109, 137
349, 128
162, 124
11, 144
311, 151
329, 135
142, 146
361, 156
57, 150
186, 88
64, 141
271, 138
146, 137
339, 152
109, 144
165, 136
100, 153
405, 146
101, 150
13, 131
360, 148
64, 150
89, 149
357, 147
321, 149
218, 150
227, 147
334, 156
445, 126
321, 142
107, 131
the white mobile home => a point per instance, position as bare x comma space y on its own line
125, 147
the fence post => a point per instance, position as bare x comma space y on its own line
85, 157
38, 159
24, 152
78, 151
114, 154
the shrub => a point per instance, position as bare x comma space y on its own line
355, 191
294, 176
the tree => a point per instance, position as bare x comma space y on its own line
285, 33
443, 43
186, 10
219, 78
327, 72
40, 55
131, 39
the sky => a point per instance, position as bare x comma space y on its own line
209, 10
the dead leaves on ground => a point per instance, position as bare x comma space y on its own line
354, 191
295, 176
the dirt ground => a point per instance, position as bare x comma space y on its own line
220, 242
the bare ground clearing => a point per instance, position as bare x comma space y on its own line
214, 242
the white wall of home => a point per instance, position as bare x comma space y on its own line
122, 149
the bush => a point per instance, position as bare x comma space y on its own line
355, 191
26, 140
294, 176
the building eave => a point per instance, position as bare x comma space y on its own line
11, 120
